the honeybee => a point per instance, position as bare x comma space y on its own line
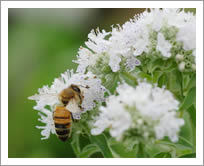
71, 97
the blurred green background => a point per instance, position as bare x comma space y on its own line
42, 45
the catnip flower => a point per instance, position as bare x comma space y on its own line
46, 117
49, 96
165, 33
146, 110
163, 45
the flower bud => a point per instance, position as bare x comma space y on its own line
182, 66
179, 57
193, 66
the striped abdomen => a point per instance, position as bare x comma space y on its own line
62, 119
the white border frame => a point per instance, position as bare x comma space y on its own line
101, 4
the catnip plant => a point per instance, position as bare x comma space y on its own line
138, 89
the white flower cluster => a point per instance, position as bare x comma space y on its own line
49, 96
141, 109
146, 110
171, 26
46, 117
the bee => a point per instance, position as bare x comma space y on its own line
63, 121
72, 97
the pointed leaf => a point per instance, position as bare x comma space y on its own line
190, 155
163, 155
162, 80
145, 75
102, 143
189, 82
189, 99
122, 151
192, 116
192, 112
88, 150
181, 144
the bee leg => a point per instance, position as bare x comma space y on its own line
74, 120
53, 114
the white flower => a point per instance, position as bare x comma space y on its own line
46, 118
187, 35
134, 38
114, 117
163, 45
90, 86
142, 108
167, 124
131, 62
85, 58
114, 63
97, 41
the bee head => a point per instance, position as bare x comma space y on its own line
66, 95
73, 91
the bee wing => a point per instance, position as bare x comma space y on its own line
40, 96
73, 107
44, 99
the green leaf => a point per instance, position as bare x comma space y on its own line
183, 146
192, 114
192, 82
156, 63
162, 80
186, 80
184, 142
163, 155
174, 83
179, 80
156, 148
189, 81
141, 151
142, 74
121, 151
169, 66
88, 150
189, 99
101, 142
186, 129
156, 76
111, 82
129, 78
190, 155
